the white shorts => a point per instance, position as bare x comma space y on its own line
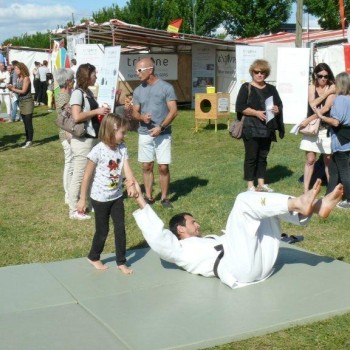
155, 148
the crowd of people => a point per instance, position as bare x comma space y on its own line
96, 165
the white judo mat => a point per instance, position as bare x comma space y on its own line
70, 305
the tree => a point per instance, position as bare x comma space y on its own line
328, 12
253, 17
108, 13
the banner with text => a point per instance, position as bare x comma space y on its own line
166, 66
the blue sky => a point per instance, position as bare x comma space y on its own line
18, 17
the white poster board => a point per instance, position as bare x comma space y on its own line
108, 76
203, 68
165, 66
246, 55
292, 82
72, 41
90, 53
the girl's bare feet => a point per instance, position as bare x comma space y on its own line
125, 269
328, 202
98, 265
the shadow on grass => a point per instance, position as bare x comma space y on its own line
183, 187
11, 141
278, 173
211, 126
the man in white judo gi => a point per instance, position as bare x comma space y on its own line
247, 252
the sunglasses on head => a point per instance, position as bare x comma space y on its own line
259, 72
140, 70
320, 76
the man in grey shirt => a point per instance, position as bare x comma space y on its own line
154, 106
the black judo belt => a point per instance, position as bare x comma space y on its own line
220, 249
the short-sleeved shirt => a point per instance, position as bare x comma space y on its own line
153, 100
77, 99
340, 111
108, 180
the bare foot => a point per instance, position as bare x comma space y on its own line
328, 202
98, 265
125, 269
304, 204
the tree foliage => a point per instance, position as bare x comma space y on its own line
38, 40
328, 12
253, 17
200, 16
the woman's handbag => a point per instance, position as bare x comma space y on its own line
66, 122
312, 128
236, 128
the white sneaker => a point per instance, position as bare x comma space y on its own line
264, 188
251, 189
27, 144
79, 216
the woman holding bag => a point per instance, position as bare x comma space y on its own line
258, 131
321, 95
84, 110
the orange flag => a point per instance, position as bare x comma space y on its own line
174, 26
341, 12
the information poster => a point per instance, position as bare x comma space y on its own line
203, 68
225, 70
108, 76
292, 82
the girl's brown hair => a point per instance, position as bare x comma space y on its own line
84, 74
110, 123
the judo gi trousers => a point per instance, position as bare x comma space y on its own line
252, 237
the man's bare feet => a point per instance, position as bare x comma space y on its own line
304, 204
125, 269
98, 265
328, 202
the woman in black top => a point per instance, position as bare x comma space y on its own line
258, 128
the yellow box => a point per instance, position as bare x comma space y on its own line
210, 89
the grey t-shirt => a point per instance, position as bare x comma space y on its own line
153, 100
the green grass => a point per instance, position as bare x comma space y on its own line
206, 176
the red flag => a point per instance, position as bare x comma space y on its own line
347, 58
342, 17
174, 26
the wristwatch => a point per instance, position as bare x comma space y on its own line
162, 128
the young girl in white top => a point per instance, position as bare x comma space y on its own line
106, 161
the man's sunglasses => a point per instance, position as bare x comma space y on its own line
140, 70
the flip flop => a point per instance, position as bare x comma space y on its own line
291, 239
